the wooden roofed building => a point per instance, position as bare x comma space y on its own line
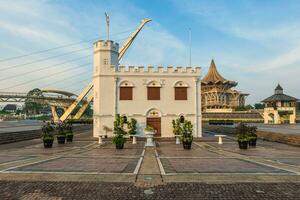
218, 94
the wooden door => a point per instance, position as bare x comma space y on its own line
156, 124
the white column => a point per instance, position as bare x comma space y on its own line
116, 95
199, 117
198, 132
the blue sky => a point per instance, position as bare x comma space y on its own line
256, 43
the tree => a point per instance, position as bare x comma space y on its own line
30, 106
259, 106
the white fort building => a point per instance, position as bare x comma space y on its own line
153, 96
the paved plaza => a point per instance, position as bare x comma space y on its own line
85, 169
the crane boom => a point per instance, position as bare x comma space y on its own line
122, 51
129, 41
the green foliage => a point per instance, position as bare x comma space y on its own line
119, 130
245, 133
244, 108
183, 128
132, 126
259, 106
47, 131
176, 126
149, 128
32, 107
61, 129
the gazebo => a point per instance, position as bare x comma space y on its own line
280, 108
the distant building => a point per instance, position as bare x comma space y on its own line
280, 108
218, 94
10, 108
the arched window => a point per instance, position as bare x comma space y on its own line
181, 119
126, 90
180, 90
153, 90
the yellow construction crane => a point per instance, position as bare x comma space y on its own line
80, 97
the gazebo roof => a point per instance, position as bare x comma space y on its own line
213, 76
279, 96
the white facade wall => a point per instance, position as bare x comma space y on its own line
108, 76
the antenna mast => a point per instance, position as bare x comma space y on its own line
107, 25
190, 46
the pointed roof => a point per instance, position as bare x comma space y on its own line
213, 76
278, 87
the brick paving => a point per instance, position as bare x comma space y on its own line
189, 191
83, 164
170, 149
215, 165
5, 159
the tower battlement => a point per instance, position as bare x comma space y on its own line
156, 70
106, 45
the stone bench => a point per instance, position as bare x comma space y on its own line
100, 138
177, 139
220, 141
134, 138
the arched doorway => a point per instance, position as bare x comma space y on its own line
154, 120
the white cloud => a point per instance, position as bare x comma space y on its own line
28, 26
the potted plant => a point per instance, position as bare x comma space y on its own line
149, 133
69, 132
176, 126
149, 130
119, 132
252, 136
187, 134
184, 128
242, 135
48, 136
132, 126
61, 135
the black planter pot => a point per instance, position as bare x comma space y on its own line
61, 139
243, 144
252, 142
119, 146
187, 145
48, 143
70, 138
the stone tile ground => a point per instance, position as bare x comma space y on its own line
176, 191
215, 165
5, 159
206, 160
84, 164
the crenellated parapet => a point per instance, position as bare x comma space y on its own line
106, 45
156, 70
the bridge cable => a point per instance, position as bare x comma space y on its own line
44, 59
59, 47
42, 68
44, 77
65, 78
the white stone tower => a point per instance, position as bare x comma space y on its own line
106, 61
